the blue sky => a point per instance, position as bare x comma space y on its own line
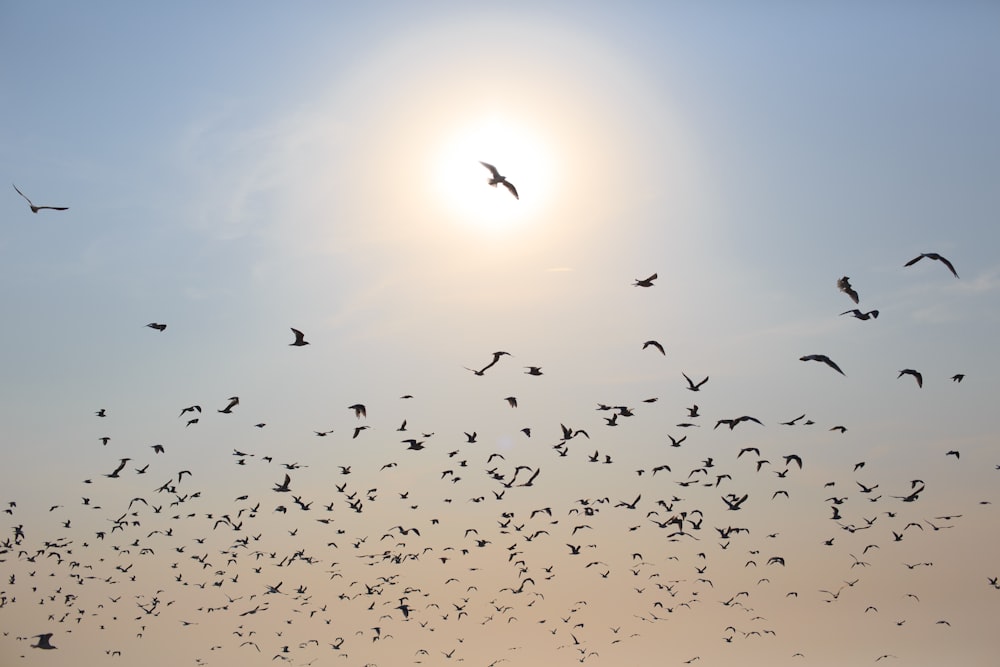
234, 171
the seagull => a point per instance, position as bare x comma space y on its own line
359, 410
653, 343
300, 338
497, 179
36, 209
648, 282
44, 639
916, 374
958, 377
933, 255
233, 402
825, 359
533, 370
157, 326
691, 385
844, 285
873, 314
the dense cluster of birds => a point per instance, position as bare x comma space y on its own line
450, 535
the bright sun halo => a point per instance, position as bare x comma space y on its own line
461, 182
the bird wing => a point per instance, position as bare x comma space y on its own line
493, 170
513, 190
23, 195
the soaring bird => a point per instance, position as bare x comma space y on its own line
157, 326
825, 359
653, 343
359, 410
844, 285
873, 314
300, 338
44, 639
692, 386
916, 375
646, 282
496, 179
233, 402
933, 255
36, 209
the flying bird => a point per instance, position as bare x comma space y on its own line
872, 314
692, 386
233, 402
44, 640
916, 375
647, 282
359, 410
844, 285
496, 179
157, 326
36, 209
825, 359
933, 255
300, 338
653, 343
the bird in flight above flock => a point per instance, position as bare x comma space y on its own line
496, 179
933, 255
36, 209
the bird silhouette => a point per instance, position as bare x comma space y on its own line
496, 179
823, 358
933, 255
36, 209
300, 338
157, 326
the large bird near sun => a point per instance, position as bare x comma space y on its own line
497, 179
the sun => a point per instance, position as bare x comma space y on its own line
461, 182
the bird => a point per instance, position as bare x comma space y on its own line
157, 326
872, 314
646, 282
497, 179
653, 343
844, 285
512, 401
114, 473
958, 377
916, 375
932, 255
359, 410
300, 338
825, 359
44, 640
36, 209
233, 402
533, 370
692, 386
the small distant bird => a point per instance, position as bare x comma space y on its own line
101, 413
233, 402
953, 453
157, 326
825, 359
36, 209
533, 370
844, 285
300, 338
653, 343
496, 179
958, 377
512, 401
44, 641
916, 374
692, 386
359, 410
873, 314
933, 255
647, 282
158, 449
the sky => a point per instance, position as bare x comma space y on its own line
236, 170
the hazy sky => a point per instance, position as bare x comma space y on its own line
234, 170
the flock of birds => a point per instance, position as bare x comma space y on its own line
468, 540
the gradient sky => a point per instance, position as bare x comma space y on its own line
237, 169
